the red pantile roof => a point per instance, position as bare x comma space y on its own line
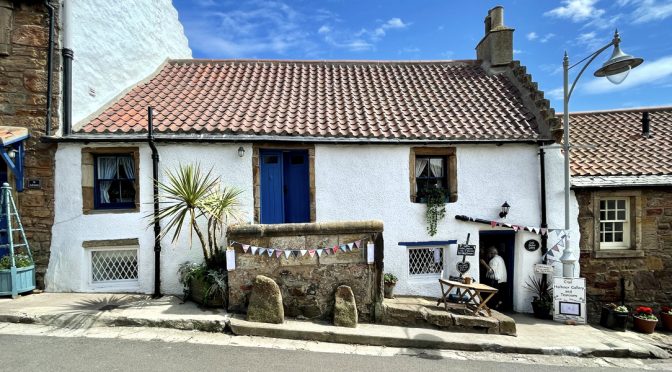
346, 99
619, 147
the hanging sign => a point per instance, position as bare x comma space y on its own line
463, 267
569, 299
466, 250
531, 245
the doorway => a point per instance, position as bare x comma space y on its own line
285, 186
504, 241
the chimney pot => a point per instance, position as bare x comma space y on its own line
646, 125
496, 16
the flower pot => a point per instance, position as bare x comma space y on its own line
542, 309
388, 290
644, 325
25, 280
613, 320
667, 321
197, 293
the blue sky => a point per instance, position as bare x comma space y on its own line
441, 30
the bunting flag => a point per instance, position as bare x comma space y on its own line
550, 253
261, 250
343, 247
254, 250
287, 253
319, 252
515, 227
561, 243
298, 253
358, 243
555, 248
350, 245
246, 247
311, 252
278, 253
270, 252
493, 223
543, 230
303, 252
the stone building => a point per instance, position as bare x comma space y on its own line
623, 184
100, 70
359, 140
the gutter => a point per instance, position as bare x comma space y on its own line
50, 57
155, 194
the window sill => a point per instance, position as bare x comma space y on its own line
618, 253
112, 211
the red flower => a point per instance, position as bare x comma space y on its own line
665, 309
644, 310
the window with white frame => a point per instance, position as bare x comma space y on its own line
116, 266
425, 261
615, 223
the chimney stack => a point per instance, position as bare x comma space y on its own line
646, 127
496, 47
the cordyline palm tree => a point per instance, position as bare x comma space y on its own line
190, 194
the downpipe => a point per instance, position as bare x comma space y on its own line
155, 194
50, 57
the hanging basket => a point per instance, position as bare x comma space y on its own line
25, 280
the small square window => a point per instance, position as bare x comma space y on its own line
425, 261
433, 168
114, 181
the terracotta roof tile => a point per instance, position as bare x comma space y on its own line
619, 147
395, 100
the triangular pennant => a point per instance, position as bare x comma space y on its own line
550, 253
311, 252
343, 247
555, 248
278, 253
246, 247
254, 250
287, 253
302, 252
334, 249
350, 245
319, 252
358, 244
270, 252
261, 250
493, 223
507, 225
543, 231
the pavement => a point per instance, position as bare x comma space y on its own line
80, 311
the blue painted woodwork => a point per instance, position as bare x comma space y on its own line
16, 164
4, 250
15, 280
428, 244
97, 203
297, 189
285, 191
272, 187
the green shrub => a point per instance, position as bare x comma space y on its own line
20, 260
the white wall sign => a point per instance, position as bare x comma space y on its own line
569, 299
543, 269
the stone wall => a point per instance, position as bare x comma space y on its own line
647, 274
23, 87
308, 283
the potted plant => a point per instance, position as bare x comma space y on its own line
199, 201
666, 317
614, 317
390, 281
643, 320
436, 208
25, 274
542, 300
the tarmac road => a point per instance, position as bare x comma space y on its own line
48, 353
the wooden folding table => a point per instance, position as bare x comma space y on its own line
470, 296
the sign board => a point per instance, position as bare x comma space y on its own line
543, 269
466, 250
569, 299
531, 245
34, 183
463, 267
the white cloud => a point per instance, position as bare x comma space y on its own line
557, 93
648, 10
324, 29
392, 23
518, 51
531, 36
590, 40
654, 72
576, 10
361, 40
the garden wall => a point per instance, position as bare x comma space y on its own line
308, 283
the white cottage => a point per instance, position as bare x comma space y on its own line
317, 141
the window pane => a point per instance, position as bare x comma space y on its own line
603, 215
611, 204
611, 215
298, 159
621, 215
603, 204
621, 204
608, 226
273, 159
618, 226
114, 193
436, 167
127, 191
608, 237
618, 237
126, 168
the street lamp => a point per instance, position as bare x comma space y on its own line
615, 69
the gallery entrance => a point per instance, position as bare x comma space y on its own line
504, 243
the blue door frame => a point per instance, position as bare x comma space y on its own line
285, 190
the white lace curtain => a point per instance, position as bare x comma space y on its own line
107, 170
127, 164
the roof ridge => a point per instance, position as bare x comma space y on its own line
321, 61
631, 109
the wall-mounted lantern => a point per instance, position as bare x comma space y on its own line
241, 151
505, 210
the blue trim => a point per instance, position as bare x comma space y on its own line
15, 165
96, 188
430, 243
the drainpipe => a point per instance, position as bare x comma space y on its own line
68, 55
50, 57
544, 222
155, 193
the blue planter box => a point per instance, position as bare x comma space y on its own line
25, 280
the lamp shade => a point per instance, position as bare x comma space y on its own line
618, 63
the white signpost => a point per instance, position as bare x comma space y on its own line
569, 299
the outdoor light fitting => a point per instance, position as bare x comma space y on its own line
241, 151
618, 66
505, 210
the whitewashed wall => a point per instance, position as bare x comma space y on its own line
352, 183
118, 43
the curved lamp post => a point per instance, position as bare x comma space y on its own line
615, 69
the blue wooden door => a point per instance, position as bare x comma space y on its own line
272, 187
297, 189
285, 190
